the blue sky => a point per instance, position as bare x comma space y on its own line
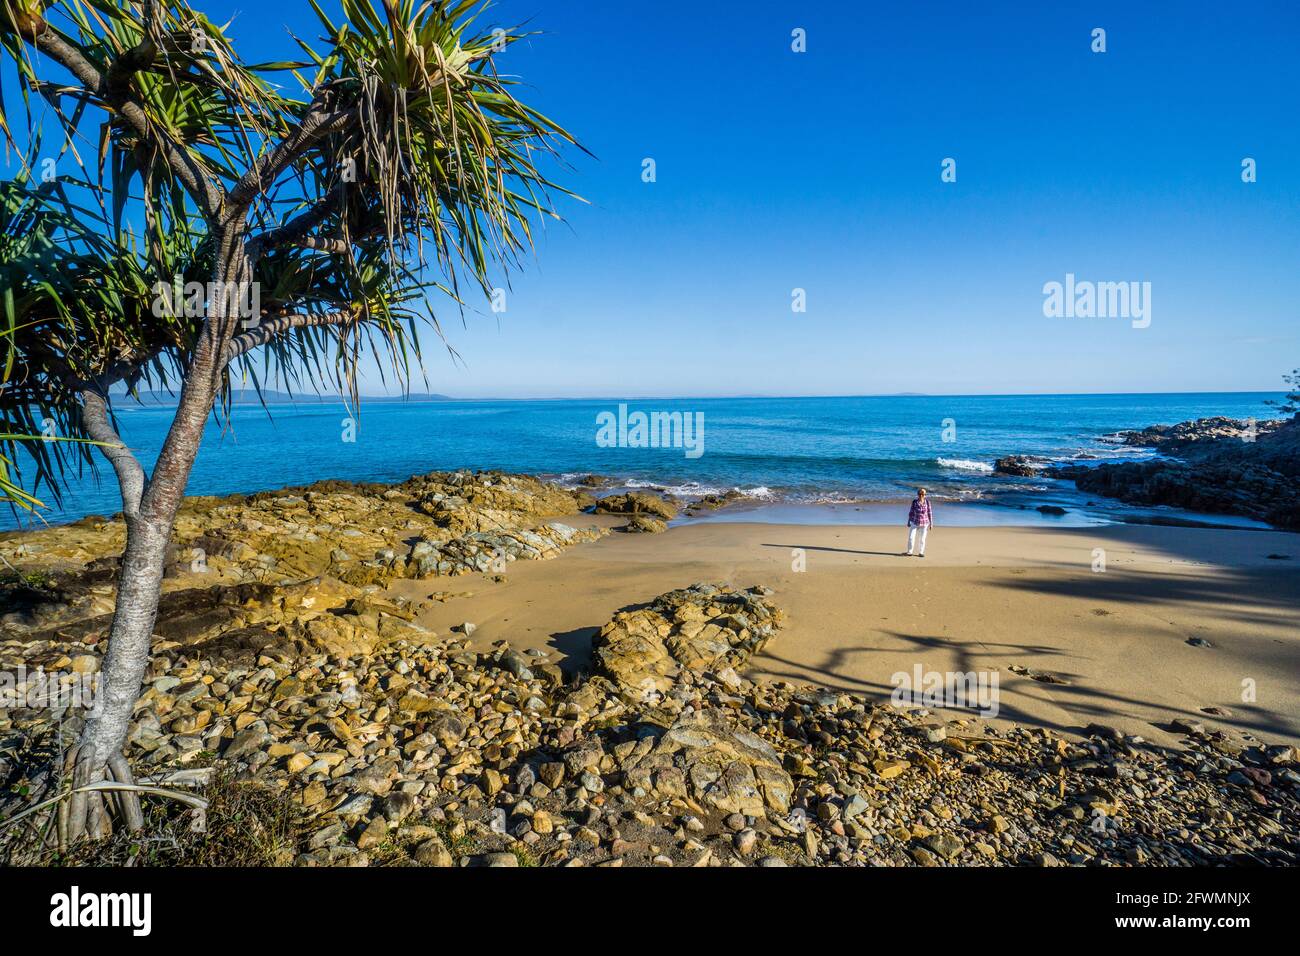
820, 170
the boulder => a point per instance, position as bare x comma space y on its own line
701, 628
726, 767
1021, 466
637, 502
644, 524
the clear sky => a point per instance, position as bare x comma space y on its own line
820, 170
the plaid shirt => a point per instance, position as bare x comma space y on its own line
920, 513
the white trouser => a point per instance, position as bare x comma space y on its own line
911, 536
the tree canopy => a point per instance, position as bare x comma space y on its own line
401, 164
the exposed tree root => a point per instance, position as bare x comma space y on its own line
128, 801
91, 808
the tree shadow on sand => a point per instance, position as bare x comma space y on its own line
1084, 702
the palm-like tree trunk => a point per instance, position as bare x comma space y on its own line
149, 509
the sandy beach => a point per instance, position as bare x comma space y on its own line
992, 598
316, 640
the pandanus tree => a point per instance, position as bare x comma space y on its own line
1289, 404
300, 231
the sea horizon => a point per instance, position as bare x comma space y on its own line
128, 405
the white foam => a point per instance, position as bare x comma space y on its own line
694, 489
965, 464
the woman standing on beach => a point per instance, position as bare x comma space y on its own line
919, 518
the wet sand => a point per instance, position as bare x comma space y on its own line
984, 599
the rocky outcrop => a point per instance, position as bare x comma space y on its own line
1217, 470
1198, 433
1020, 466
462, 502
357, 536
644, 524
1250, 491
637, 502
714, 501
492, 550
703, 628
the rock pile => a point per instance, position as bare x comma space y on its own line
432, 753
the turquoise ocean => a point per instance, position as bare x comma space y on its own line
807, 459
